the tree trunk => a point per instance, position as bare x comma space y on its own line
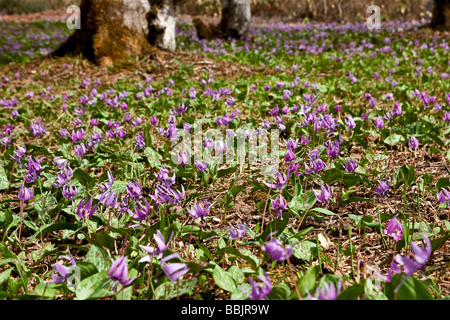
441, 15
235, 22
115, 30
236, 18
162, 19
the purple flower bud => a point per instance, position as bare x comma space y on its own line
119, 271
25, 194
394, 229
413, 143
325, 193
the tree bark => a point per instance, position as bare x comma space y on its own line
236, 18
162, 19
117, 30
235, 21
441, 15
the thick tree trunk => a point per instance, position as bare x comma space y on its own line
441, 15
115, 30
235, 22
162, 19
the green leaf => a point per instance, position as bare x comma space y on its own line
96, 286
308, 282
279, 292
85, 179
324, 211
224, 172
351, 293
245, 254
277, 226
234, 191
99, 257
393, 139
411, 289
172, 289
300, 203
237, 274
304, 250
407, 174
153, 157
105, 240
223, 279
437, 243
3, 179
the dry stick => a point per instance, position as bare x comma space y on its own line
292, 274
265, 207
21, 218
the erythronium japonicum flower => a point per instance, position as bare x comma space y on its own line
174, 270
382, 188
196, 211
158, 251
443, 196
259, 291
325, 193
279, 205
329, 292
394, 229
237, 232
119, 272
351, 165
417, 260
85, 209
65, 273
413, 143
276, 250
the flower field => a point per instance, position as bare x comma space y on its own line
151, 180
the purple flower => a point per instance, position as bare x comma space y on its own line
382, 188
25, 194
443, 196
333, 148
85, 209
80, 149
237, 232
196, 211
154, 121
69, 191
64, 272
350, 123
446, 116
397, 109
119, 271
134, 190
325, 193
174, 270
281, 180
279, 205
140, 212
304, 140
276, 250
158, 251
394, 229
413, 143
351, 165
417, 260
379, 123
258, 290
201, 165
183, 158
329, 292
77, 135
